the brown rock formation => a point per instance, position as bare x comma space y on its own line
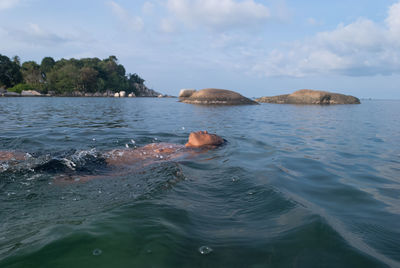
186, 93
308, 96
30, 93
212, 96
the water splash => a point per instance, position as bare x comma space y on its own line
97, 252
69, 163
204, 250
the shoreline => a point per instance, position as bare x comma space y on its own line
63, 96
80, 95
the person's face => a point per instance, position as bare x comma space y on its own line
203, 138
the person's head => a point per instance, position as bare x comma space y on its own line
203, 139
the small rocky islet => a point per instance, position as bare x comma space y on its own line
213, 96
308, 96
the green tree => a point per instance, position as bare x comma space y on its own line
47, 64
17, 60
112, 59
88, 79
67, 75
31, 73
135, 78
64, 80
10, 73
20, 87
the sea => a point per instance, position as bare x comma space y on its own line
293, 186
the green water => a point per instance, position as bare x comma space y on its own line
295, 186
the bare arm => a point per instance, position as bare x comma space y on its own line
145, 155
9, 156
125, 161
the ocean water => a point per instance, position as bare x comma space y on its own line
294, 186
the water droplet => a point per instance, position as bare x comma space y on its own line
97, 252
94, 139
155, 139
235, 179
204, 250
183, 128
126, 145
251, 192
133, 142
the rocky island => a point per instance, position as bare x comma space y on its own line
308, 96
213, 96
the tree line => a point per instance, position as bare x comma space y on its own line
65, 76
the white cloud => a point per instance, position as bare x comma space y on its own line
148, 7
33, 37
314, 22
6, 4
167, 26
357, 49
130, 22
393, 22
218, 14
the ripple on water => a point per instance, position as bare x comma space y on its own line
324, 183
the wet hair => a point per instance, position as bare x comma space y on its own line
224, 142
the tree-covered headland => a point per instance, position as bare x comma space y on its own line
69, 76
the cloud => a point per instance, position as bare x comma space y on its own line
34, 35
313, 22
6, 4
218, 14
130, 22
361, 48
148, 7
167, 26
393, 22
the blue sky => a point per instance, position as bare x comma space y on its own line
255, 47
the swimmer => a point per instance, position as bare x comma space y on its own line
129, 159
163, 151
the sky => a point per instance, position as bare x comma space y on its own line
255, 47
